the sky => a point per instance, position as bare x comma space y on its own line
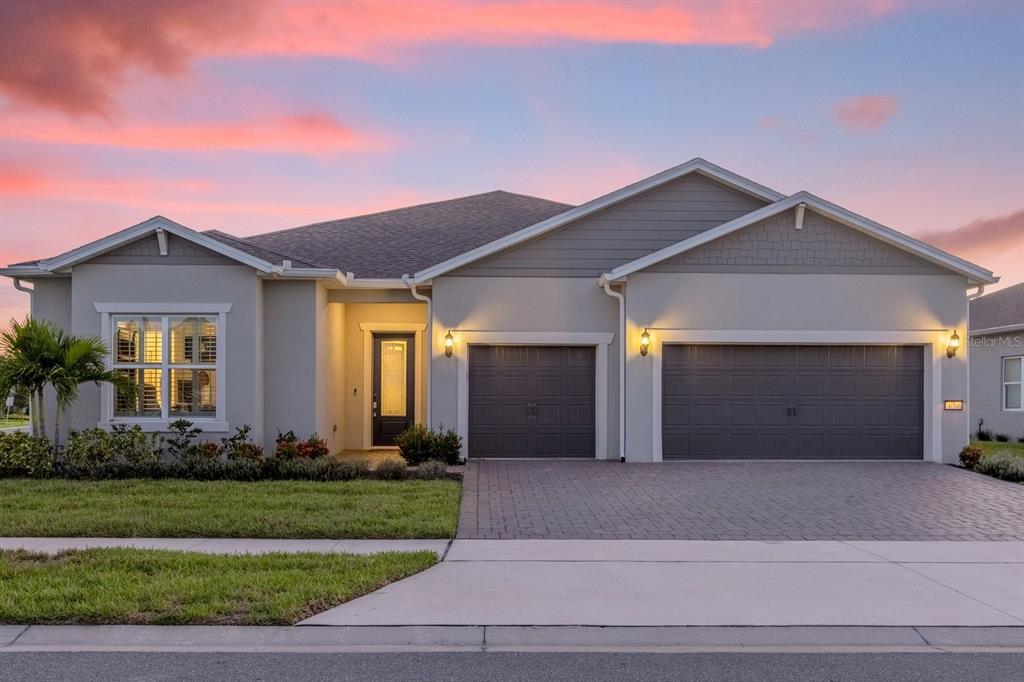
254, 116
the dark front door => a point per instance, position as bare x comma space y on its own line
531, 401
792, 402
394, 386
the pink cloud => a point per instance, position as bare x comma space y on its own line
867, 113
311, 133
769, 122
994, 243
73, 56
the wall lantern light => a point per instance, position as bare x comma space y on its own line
953, 346
449, 344
645, 343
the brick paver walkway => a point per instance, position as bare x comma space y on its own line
737, 501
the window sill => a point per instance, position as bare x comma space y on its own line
161, 425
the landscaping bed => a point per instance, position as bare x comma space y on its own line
358, 509
999, 459
131, 586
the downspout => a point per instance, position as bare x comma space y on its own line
32, 408
622, 365
21, 287
430, 344
967, 356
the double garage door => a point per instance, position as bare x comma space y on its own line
718, 402
792, 402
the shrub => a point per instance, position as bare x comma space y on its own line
430, 470
212, 469
1002, 438
969, 456
25, 455
184, 433
201, 451
132, 445
238, 446
88, 449
414, 444
319, 469
1020, 439
286, 446
446, 445
1004, 465
984, 435
312, 448
391, 470
419, 444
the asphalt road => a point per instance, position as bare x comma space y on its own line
478, 667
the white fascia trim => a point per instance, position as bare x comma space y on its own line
162, 308
280, 272
996, 330
692, 166
830, 210
392, 326
26, 271
112, 241
354, 282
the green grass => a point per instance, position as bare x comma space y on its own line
13, 421
990, 446
134, 586
228, 509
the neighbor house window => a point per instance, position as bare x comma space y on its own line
172, 360
1013, 388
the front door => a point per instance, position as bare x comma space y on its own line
394, 387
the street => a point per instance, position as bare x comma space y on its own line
476, 667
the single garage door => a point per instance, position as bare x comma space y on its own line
792, 402
531, 401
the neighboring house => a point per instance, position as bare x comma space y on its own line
693, 314
997, 356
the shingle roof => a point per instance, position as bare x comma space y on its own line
1001, 308
268, 255
406, 240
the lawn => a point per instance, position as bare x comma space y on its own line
990, 446
134, 586
229, 509
12, 422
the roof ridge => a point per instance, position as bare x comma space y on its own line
231, 237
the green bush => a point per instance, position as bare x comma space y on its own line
239, 446
414, 444
134, 446
286, 445
969, 456
984, 435
24, 455
1002, 438
1004, 465
319, 469
419, 444
206, 450
183, 433
391, 470
88, 449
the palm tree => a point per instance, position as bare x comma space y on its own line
28, 354
35, 354
81, 360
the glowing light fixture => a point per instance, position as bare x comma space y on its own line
645, 343
953, 346
449, 344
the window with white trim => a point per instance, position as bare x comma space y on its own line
172, 360
1013, 387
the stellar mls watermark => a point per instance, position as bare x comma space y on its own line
996, 341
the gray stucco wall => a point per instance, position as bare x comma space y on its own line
987, 353
290, 337
93, 283
51, 300
845, 305
499, 304
653, 220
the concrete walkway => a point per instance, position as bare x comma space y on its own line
228, 545
704, 583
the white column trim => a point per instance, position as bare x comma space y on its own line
368, 329
599, 340
933, 341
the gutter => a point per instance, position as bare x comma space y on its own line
28, 290
430, 344
606, 285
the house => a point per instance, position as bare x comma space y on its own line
693, 314
996, 355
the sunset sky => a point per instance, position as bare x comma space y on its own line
253, 116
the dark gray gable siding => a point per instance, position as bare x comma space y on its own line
636, 227
775, 245
146, 251
1001, 308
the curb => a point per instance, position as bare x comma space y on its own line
213, 638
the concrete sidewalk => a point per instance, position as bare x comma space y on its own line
228, 545
704, 583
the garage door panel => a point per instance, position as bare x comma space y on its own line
531, 401
792, 402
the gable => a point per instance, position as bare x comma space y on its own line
640, 225
775, 245
146, 251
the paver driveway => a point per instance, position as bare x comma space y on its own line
737, 501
